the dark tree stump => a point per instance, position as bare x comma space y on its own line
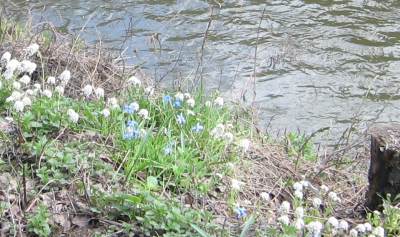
384, 170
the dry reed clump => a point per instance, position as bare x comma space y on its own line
88, 65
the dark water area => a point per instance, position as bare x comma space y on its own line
319, 63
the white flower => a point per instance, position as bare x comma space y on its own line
59, 90
245, 144
316, 202
360, 228
15, 95
5, 58
368, 227
298, 194
64, 77
304, 183
25, 79
37, 86
219, 101
218, 131
112, 103
73, 116
333, 196
26, 66
235, 184
265, 196
8, 74
47, 93
324, 189
299, 212
179, 96
87, 90
51, 80
99, 92
134, 81
379, 232
187, 95
16, 85
32, 49
135, 106
105, 113
30, 92
191, 102
285, 207
299, 224
333, 222
353, 233
149, 90
12, 65
208, 103
343, 225
315, 227
19, 106
143, 113
298, 186
27, 101
228, 137
284, 219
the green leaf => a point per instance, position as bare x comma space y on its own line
200, 231
247, 226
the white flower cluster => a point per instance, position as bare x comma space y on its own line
88, 90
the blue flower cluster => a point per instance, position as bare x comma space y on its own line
131, 131
240, 212
177, 103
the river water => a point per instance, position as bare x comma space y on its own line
320, 63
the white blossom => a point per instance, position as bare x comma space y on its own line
284, 219
360, 228
32, 49
15, 95
27, 101
285, 207
19, 106
218, 131
298, 194
47, 93
187, 95
8, 74
112, 103
191, 102
37, 86
179, 96
299, 224
245, 144
305, 183
353, 233
25, 79
73, 116
235, 184
144, 113
27, 66
149, 90
99, 92
368, 227
16, 85
324, 189
12, 65
228, 137
299, 212
343, 225
64, 77
208, 103
315, 227
333, 222
298, 186
379, 231
59, 90
134, 81
219, 101
265, 196
105, 113
333, 197
5, 58
87, 90
51, 80
30, 92
135, 106
316, 202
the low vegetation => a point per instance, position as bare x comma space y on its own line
91, 149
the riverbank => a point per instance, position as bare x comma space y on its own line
93, 148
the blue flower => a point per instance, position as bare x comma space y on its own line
128, 109
197, 128
169, 148
240, 212
167, 99
131, 133
131, 123
180, 119
177, 104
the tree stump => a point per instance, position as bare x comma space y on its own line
384, 170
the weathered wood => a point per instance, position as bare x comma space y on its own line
384, 170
